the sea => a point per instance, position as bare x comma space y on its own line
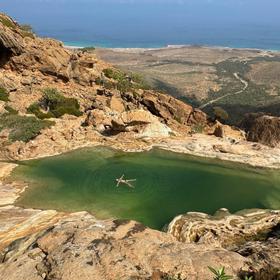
153, 23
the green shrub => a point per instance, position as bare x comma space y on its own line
125, 82
36, 110
110, 73
139, 81
67, 106
55, 104
22, 128
10, 110
220, 274
4, 95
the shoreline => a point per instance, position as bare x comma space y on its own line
10, 190
143, 49
200, 146
195, 146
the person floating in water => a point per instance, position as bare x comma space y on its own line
122, 180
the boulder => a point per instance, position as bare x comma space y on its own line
99, 120
141, 122
228, 132
167, 107
262, 129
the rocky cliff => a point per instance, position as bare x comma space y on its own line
53, 100
38, 244
262, 128
253, 234
110, 103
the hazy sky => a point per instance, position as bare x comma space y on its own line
146, 18
255, 11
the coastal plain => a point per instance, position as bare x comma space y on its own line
206, 76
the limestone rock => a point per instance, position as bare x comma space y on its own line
46, 55
224, 229
263, 129
99, 120
81, 247
11, 41
116, 104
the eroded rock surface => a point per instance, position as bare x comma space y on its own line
253, 234
80, 247
224, 229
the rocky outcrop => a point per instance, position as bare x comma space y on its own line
11, 42
173, 110
80, 247
140, 122
129, 112
264, 257
21, 53
253, 234
228, 132
263, 129
224, 229
10, 36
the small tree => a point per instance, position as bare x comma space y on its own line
220, 114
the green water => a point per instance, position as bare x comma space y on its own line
167, 184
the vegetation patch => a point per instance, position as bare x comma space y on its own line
88, 49
10, 110
125, 82
7, 22
54, 105
4, 95
22, 128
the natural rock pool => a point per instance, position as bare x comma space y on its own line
167, 184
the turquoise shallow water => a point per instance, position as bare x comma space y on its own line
167, 184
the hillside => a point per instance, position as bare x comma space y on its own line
75, 96
207, 77
54, 100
